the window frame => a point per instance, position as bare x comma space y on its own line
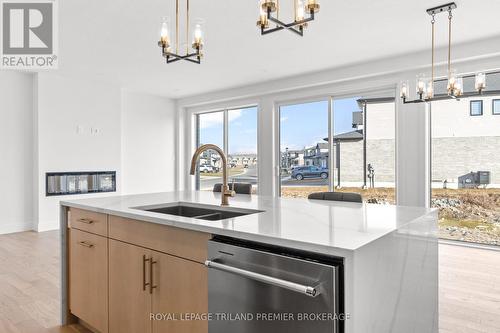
278, 104
225, 133
291, 102
493, 107
470, 108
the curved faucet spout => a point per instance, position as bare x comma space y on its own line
225, 193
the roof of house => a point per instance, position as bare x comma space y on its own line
356, 135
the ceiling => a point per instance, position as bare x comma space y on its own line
116, 40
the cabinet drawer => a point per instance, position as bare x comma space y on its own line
88, 278
175, 241
85, 220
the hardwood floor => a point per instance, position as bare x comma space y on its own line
469, 290
29, 286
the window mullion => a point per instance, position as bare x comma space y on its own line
330, 145
226, 132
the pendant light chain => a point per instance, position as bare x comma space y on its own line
450, 16
187, 26
433, 21
177, 26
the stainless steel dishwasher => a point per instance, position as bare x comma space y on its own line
255, 288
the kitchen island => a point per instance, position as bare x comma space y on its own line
389, 256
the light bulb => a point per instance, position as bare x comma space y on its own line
452, 81
262, 22
164, 32
300, 10
404, 90
459, 87
430, 90
197, 34
312, 5
480, 81
420, 85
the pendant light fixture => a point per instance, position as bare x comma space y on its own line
171, 52
300, 8
455, 86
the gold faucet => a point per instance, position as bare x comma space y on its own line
225, 192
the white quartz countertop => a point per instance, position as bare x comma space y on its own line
319, 226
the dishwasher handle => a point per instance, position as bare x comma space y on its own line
299, 288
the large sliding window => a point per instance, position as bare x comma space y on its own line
364, 147
234, 131
466, 170
304, 148
361, 157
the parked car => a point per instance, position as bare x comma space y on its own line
205, 168
300, 173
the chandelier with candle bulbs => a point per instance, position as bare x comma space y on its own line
455, 84
172, 52
301, 8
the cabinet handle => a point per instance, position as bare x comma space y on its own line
87, 221
86, 244
144, 283
151, 284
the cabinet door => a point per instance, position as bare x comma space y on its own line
88, 278
129, 298
181, 287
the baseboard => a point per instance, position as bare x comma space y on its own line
15, 227
48, 226
469, 244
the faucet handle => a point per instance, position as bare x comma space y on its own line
229, 193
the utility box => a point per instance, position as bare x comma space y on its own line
474, 179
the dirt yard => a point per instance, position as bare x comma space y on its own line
471, 215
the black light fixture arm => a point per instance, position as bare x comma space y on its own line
296, 26
303, 14
194, 57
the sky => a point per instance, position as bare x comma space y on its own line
304, 125
301, 125
242, 130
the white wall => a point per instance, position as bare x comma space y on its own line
79, 129
452, 119
381, 120
16, 151
148, 143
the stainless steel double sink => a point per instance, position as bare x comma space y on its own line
199, 211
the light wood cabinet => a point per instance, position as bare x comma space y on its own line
181, 288
92, 222
145, 269
129, 298
175, 241
88, 288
